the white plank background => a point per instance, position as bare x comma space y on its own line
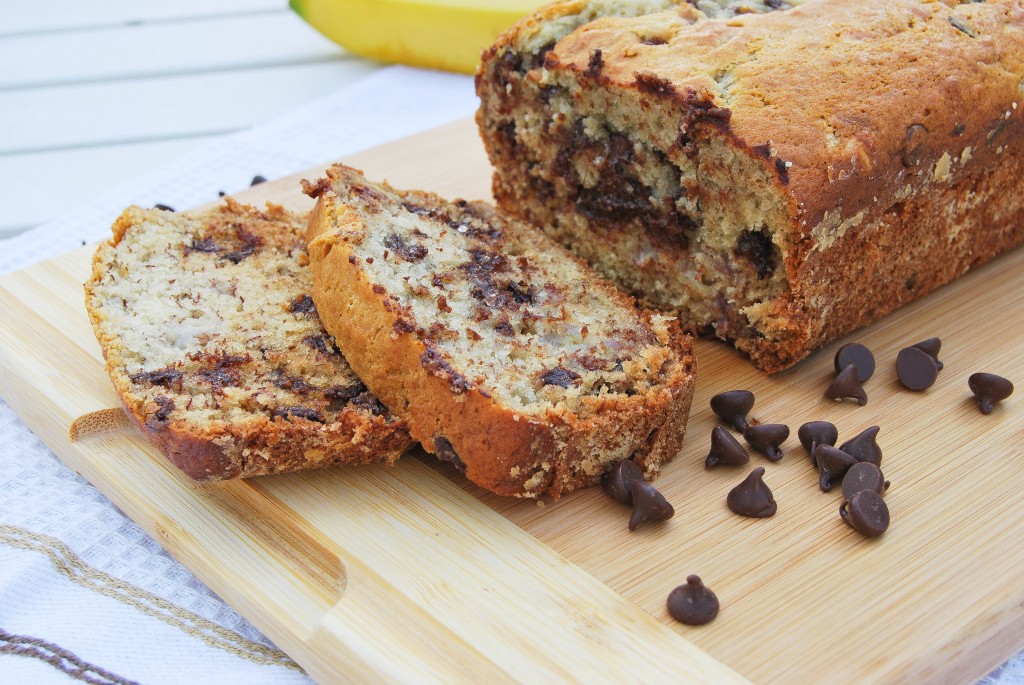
93, 93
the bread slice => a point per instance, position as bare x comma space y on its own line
506, 355
215, 347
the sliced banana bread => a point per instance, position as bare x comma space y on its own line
778, 172
505, 354
215, 347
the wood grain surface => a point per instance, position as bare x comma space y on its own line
411, 573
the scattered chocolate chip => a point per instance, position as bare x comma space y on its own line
618, 482
752, 497
648, 505
833, 463
847, 386
988, 389
257, 179
163, 207
693, 603
725, 450
859, 356
815, 433
931, 347
563, 378
863, 476
221, 193
733, 406
766, 438
867, 513
864, 447
916, 369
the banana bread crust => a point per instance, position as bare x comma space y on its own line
881, 141
510, 450
233, 400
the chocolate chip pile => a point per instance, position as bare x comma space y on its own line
855, 465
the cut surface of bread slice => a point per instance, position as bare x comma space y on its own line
506, 355
213, 342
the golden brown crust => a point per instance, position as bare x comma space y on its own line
259, 437
501, 448
891, 132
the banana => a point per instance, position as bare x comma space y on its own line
439, 34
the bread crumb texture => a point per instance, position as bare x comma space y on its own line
777, 173
212, 339
507, 355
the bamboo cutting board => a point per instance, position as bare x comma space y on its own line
412, 574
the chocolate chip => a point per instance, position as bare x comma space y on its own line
864, 447
859, 356
863, 476
847, 386
648, 505
725, 450
752, 497
256, 180
733, 406
443, 450
595, 64
916, 369
867, 513
756, 248
693, 603
618, 482
563, 378
988, 389
163, 414
815, 433
298, 412
303, 304
766, 438
833, 463
163, 207
165, 377
913, 144
931, 347
410, 252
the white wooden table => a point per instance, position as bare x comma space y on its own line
93, 93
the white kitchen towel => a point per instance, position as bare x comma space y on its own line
85, 594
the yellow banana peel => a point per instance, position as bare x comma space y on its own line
439, 34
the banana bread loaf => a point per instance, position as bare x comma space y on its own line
215, 347
777, 173
506, 355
